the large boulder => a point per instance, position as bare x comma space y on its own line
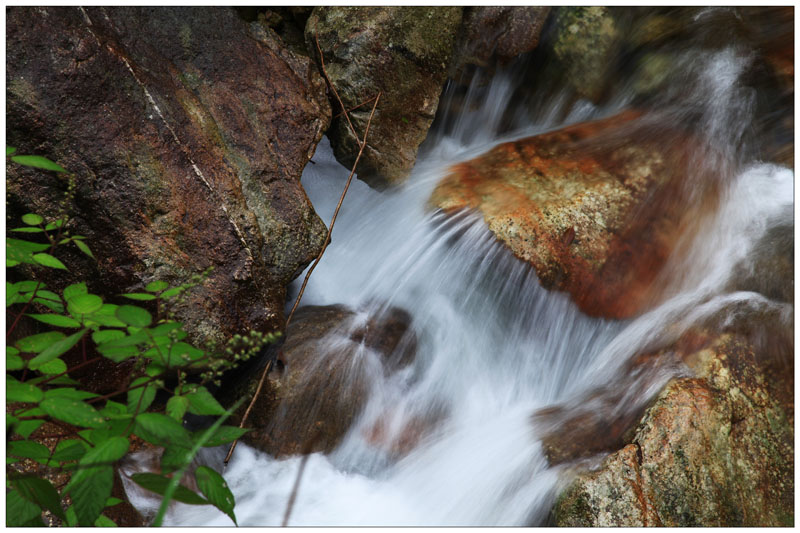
715, 449
401, 52
596, 208
329, 361
187, 131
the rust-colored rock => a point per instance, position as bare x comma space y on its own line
329, 358
596, 208
713, 450
187, 130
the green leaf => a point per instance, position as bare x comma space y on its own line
72, 519
104, 521
156, 286
55, 350
39, 342
107, 335
19, 511
28, 230
54, 225
73, 412
161, 430
70, 393
26, 246
166, 295
158, 483
154, 368
83, 247
83, 304
24, 428
223, 435
22, 392
53, 306
48, 295
111, 502
32, 219
134, 316
141, 397
89, 495
139, 296
48, 261
41, 492
182, 353
57, 320
214, 487
54, 367
106, 316
118, 354
176, 407
10, 150
14, 362
28, 449
201, 402
38, 161
76, 289
69, 450
105, 453
175, 458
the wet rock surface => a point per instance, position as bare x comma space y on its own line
187, 130
497, 32
401, 52
330, 356
715, 449
595, 207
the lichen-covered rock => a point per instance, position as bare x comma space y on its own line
595, 207
713, 450
586, 40
502, 32
187, 131
401, 52
331, 355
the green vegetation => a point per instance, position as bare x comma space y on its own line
58, 429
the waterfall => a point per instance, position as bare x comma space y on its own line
493, 345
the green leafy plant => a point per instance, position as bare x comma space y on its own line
87, 433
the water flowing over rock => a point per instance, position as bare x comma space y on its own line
596, 218
402, 52
187, 131
713, 450
329, 354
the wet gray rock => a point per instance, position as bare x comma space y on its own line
330, 357
401, 52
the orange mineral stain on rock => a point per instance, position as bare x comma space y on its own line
596, 208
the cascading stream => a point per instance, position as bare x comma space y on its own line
493, 345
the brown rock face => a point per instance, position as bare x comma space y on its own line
187, 131
326, 380
596, 208
499, 31
713, 450
401, 52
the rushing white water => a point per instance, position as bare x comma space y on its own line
493, 345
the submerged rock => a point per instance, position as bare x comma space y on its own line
713, 450
401, 52
331, 355
596, 208
187, 131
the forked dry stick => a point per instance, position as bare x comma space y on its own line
362, 145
